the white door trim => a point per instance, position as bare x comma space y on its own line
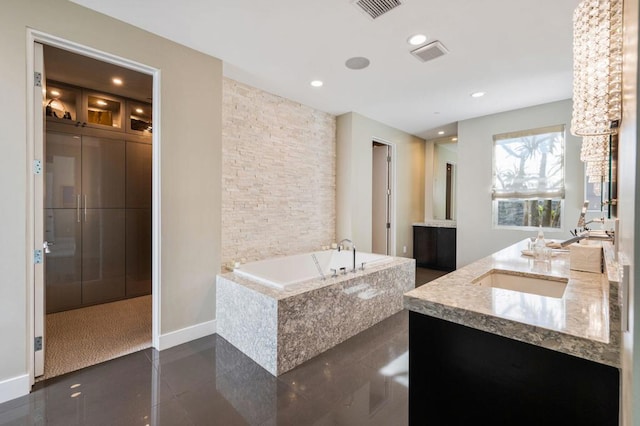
34, 36
392, 209
38, 212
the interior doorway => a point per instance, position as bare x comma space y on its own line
93, 203
381, 198
449, 188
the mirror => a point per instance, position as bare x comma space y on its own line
445, 164
602, 195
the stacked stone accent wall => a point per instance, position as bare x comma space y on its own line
278, 175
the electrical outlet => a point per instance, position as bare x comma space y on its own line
404, 249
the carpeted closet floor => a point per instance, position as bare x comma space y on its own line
87, 336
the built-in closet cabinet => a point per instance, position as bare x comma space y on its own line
87, 108
138, 117
63, 104
97, 213
85, 205
138, 218
103, 111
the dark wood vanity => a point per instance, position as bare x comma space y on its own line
498, 356
434, 246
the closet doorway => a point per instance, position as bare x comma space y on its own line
95, 211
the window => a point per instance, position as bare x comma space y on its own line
528, 178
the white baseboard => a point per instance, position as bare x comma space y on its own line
14, 387
187, 334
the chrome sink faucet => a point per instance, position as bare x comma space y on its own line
353, 247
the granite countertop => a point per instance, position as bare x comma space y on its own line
585, 322
437, 223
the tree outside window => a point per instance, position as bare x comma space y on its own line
528, 178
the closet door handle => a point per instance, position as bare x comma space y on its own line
85, 207
78, 208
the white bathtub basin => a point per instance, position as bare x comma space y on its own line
548, 286
281, 272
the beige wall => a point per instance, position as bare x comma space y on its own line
278, 174
355, 134
476, 237
628, 177
191, 93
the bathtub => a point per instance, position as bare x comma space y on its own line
280, 327
281, 272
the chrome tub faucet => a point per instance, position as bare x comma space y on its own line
353, 248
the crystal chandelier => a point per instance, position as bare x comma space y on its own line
595, 154
597, 81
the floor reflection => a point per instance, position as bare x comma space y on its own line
362, 381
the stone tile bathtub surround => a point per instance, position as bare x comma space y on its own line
280, 329
585, 322
278, 175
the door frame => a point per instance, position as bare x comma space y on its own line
392, 184
35, 299
381, 171
453, 193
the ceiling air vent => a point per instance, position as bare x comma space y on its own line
376, 8
430, 51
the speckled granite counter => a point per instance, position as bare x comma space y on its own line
585, 322
438, 223
280, 329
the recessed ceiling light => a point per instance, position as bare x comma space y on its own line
441, 132
357, 63
117, 81
139, 110
454, 139
101, 102
317, 83
417, 39
478, 94
54, 93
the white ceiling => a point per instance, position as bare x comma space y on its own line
519, 52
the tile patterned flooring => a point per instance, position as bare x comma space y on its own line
362, 381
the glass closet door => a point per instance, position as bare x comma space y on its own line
138, 217
63, 222
103, 216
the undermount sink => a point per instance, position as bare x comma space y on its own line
548, 286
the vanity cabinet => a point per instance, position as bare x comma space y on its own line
462, 376
435, 247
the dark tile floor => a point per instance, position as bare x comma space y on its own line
362, 381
